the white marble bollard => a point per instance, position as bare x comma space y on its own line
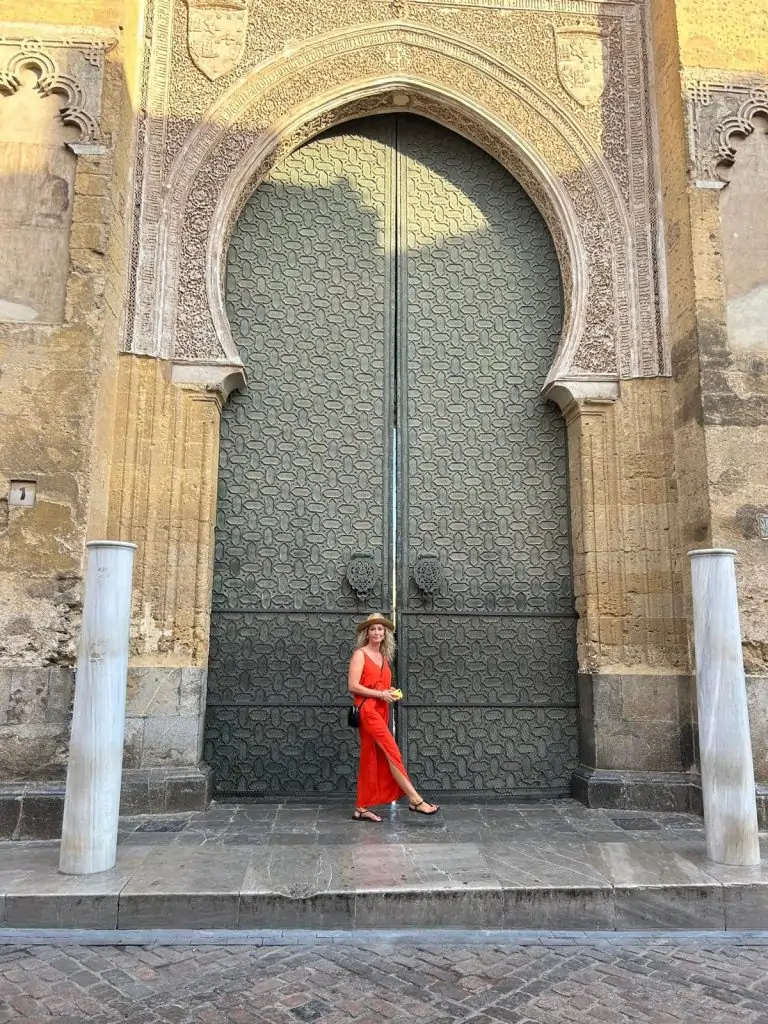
727, 772
92, 800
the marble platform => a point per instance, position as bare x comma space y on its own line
554, 866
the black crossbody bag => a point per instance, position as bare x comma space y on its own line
353, 715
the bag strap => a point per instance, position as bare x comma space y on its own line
381, 676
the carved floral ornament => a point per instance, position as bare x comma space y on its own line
69, 66
610, 328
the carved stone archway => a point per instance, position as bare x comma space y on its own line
446, 108
610, 330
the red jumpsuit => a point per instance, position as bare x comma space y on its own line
375, 784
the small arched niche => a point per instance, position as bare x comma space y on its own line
37, 178
744, 224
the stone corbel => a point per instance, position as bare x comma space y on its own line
68, 62
574, 394
211, 381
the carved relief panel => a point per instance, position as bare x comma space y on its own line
216, 34
583, 62
719, 114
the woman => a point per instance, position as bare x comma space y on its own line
382, 777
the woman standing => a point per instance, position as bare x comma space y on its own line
381, 777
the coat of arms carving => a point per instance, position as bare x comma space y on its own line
583, 59
216, 32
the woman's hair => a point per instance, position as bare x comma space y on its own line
387, 645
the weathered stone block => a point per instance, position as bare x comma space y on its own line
88, 209
638, 746
762, 807
41, 816
61, 692
699, 907
133, 743
171, 739
134, 793
86, 261
33, 750
91, 184
5, 692
757, 700
189, 792
192, 690
58, 910
606, 697
153, 691
28, 698
564, 909
323, 910
89, 236
650, 699
652, 791
10, 810
165, 790
180, 910
635, 722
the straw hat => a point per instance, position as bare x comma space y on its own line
376, 619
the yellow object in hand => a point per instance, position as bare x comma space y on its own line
398, 694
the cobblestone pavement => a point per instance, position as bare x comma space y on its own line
415, 979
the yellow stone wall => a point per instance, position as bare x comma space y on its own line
625, 534
720, 394
56, 419
729, 35
163, 496
693, 497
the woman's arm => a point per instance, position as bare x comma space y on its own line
353, 680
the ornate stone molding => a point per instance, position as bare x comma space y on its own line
585, 7
68, 62
717, 113
444, 107
595, 190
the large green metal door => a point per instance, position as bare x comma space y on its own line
395, 296
303, 476
485, 606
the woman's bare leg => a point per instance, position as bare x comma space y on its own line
407, 787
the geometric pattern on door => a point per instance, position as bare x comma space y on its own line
491, 660
391, 275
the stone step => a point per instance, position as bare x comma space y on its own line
568, 883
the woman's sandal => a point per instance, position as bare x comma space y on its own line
415, 808
366, 815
